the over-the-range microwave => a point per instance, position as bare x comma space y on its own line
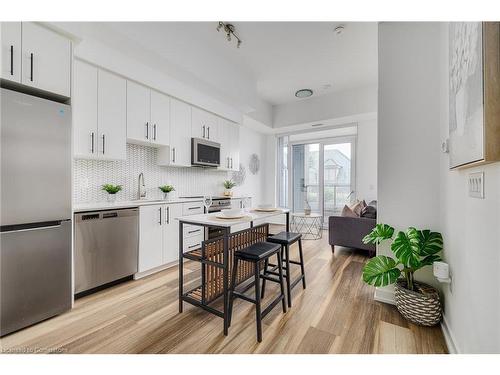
205, 153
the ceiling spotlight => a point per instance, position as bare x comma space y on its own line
304, 93
339, 29
229, 29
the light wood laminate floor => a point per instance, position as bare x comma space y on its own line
335, 314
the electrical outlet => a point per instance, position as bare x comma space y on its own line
476, 185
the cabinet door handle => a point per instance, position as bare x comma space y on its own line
231, 163
92, 142
194, 208
31, 68
11, 60
147, 130
173, 155
154, 132
208, 132
193, 246
203, 131
103, 144
160, 216
194, 231
168, 216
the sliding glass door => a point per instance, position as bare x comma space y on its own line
322, 175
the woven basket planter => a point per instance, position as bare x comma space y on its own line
419, 308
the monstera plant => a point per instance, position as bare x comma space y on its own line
412, 249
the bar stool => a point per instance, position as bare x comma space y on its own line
286, 239
255, 254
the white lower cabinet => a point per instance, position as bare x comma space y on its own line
150, 237
171, 233
159, 234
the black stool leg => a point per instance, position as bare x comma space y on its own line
302, 264
266, 265
231, 290
288, 283
282, 288
257, 302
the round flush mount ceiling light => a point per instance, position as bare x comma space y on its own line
339, 29
304, 93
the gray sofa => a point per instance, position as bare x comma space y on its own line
349, 232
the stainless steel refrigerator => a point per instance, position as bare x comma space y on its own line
35, 217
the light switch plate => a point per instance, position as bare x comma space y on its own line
476, 185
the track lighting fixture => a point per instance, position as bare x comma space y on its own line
229, 29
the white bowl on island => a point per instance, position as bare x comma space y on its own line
232, 213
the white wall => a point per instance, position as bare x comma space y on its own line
366, 161
252, 142
417, 188
408, 129
472, 246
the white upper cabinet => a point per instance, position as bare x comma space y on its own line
138, 113
111, 116
204, 125
46, 59
224, 128
84, 110
99, 113
235, 146
229, 138
160, 118
11, 51
180, 134
148, 116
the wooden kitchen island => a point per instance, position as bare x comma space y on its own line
216, 257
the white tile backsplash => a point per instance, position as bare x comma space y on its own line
90, 175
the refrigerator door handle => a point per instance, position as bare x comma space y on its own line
32, 229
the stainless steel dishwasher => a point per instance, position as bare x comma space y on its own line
106, 247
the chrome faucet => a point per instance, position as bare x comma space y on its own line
141, 191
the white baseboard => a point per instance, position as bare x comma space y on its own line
140, 275
448, 337
385, 295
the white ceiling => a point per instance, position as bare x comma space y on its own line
278, 58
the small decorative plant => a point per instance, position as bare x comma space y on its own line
413, 250
229, 184
111, 190
166, 189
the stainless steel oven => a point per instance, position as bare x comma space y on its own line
205, 153
218, 204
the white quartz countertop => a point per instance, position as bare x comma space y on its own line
213, 220
99, 206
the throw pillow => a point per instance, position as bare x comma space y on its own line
357, 208
348, 212
369, 212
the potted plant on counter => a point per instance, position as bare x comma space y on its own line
413, 250
166, 189
111, 190
228, 185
